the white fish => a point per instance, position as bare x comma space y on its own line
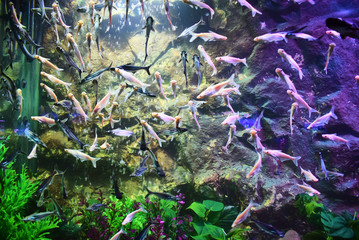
257, 166
335, 138
192, 28
248, 5
302, 1
130, 216
33, 152
78, 107
272, 37
232, 60
310, 191
55, 80
152, 132
291, 61
286, 79
210, 36
207, 58
103, 103
299, 99
200, 5
282, 156
94, 145
292, 111
129, 77
308, 175
243, 215
82, 156
321, 121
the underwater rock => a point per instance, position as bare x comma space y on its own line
291, 235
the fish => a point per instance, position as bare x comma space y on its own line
46, 62
131, 68
163, 117
109, 6
64, 192
292, 111
60, 213
70, 39
345, 28
19, 98
95, 207
308, 175
141, 169
166, 3
159, 82
248, 5
10, 86
120, 132
142, 91
54, 22
335, 138
30, 135
32, 153
272, 37
91, 11
14, 15
156, 164
165, 196
66, 104
302, 1
129, 77
45, 184
55, 80
102, 104
113, 108
43, 119
174, 89
43, 11
70, 135
231, 119
304, 36
118, 234
59, 16
243, 215
288, 58
207, 59
105, 146
118, 92
78, 107
333, 33
38, 216
143, 234
127, 5
282, 156
268, 228
173, 131
89, 41
143, 8
10, 159
197, 64
322, 165
281, 74
187, 31
231, 134
87, 101
78, 27
148, 27
257, 140
299, 99
98, 46
184, 61
69, 59
50, 91
152, 133
94, 145
210, 36
308, 189
330, 51
215, 88
131, 215
321, 121
257, 166
196, 4
82, 156
233, 60
143, 144
118, 194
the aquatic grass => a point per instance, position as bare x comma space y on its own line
330, 226
16, 191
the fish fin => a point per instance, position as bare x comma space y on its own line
312, 110
301, 170
332, 113
348, 144
152, 29
148, 69
296, 160
180, 60
148, 194
94, 161
193, 37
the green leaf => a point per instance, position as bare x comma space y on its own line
201, 237
169, 214
214, 231
198, 224
213, 205
198, 208
213, 217
343, 232
227, 217
315, 235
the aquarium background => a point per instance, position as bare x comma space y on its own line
194, 162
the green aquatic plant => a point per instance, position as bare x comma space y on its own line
16, 191
330, 225
213, 219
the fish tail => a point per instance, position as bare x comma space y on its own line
160, 141
232, 82
311, 2
332, 113
312, 110
214, 72
148, 192
148, 69
296, 160
348, 144
254, 11
245, 62
94, 161
194, 36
